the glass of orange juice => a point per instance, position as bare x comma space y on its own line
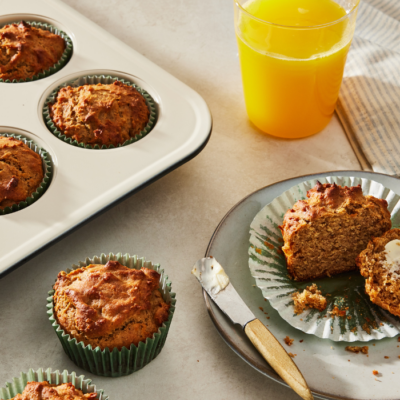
292, 55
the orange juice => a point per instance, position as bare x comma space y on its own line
292, 55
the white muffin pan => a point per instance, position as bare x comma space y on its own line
86, 181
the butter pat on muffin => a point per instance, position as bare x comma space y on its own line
26, 51
21, 171
100, 114
109, 305
324, 234
379, 263
44, 390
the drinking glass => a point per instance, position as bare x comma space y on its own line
292, 73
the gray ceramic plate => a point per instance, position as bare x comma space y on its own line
323, 362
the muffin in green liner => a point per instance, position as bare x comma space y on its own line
53, 377
94, 80
114, 363
59, 64
47, 174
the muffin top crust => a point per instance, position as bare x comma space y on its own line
21, 171
330, 199
109, 305
44, 390
26, 51
100, 114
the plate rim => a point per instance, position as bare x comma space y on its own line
266, 370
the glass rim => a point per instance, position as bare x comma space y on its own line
298, 27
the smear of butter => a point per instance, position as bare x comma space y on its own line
211, 275
392, 252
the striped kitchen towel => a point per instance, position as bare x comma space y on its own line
369, 100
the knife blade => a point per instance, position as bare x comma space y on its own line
215, 282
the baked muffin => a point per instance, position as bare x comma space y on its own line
44, 390
324, 234
26, 51
380, 264
100, 114
21, 171
109, 305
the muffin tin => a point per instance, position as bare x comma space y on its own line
85, 181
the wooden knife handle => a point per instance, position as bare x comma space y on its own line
273, 352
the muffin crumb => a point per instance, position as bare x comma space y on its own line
336, 312
357, 349
288, 340
311, 297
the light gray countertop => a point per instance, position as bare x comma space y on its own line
172, 220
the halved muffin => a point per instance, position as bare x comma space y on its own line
324, 234
380, 264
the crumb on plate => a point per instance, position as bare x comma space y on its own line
357, 349
288, 341
311, 297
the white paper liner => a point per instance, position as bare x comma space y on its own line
268, 266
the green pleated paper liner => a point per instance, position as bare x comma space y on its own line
17, 385
117, 362
362, 320
59, 64
47, 174
94, 80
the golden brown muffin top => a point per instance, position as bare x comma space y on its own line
45, 391
21, 171
26, 51
328, 199
109, 305
100, 114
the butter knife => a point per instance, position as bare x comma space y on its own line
216, 283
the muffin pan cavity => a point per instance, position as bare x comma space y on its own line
105, 78
86, 182
40, 22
